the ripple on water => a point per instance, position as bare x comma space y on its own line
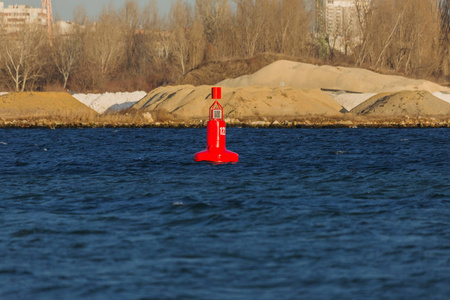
127, 214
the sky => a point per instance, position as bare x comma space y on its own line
65, 8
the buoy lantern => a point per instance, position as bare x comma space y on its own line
216, 134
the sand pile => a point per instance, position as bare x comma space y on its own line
110, 101
308, 76
29, 105
402, 104
188, 102
351, 100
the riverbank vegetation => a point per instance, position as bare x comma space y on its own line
135, 48
136, 121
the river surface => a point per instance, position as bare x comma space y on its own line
304, 214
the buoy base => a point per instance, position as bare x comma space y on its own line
218, 157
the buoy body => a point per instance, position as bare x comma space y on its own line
215, 141
216, 135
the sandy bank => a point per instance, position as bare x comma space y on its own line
36, 105
308, 76
188, 102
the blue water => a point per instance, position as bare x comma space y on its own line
305, 214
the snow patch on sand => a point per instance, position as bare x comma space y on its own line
110, 101
350, 100
443, 96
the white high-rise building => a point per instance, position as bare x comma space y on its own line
14, 17
339, 15
341, 20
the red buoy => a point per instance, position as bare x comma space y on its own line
216, 133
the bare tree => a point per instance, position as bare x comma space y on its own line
217, 20
180, 21
156, 42
250, 25
444, 7
197, 43
362, 31
292, 27
80, 16
187, 35
129, 15
66, 50
24, 58
104, 47
398, 35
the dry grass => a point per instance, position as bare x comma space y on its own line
212, 72
163, 115
55, 87
135, 119
346, 120
58, 119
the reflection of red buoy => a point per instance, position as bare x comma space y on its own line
216, 133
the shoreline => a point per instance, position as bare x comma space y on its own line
305, 123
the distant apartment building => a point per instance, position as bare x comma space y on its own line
14, 17
340, 21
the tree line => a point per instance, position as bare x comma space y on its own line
135, 48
